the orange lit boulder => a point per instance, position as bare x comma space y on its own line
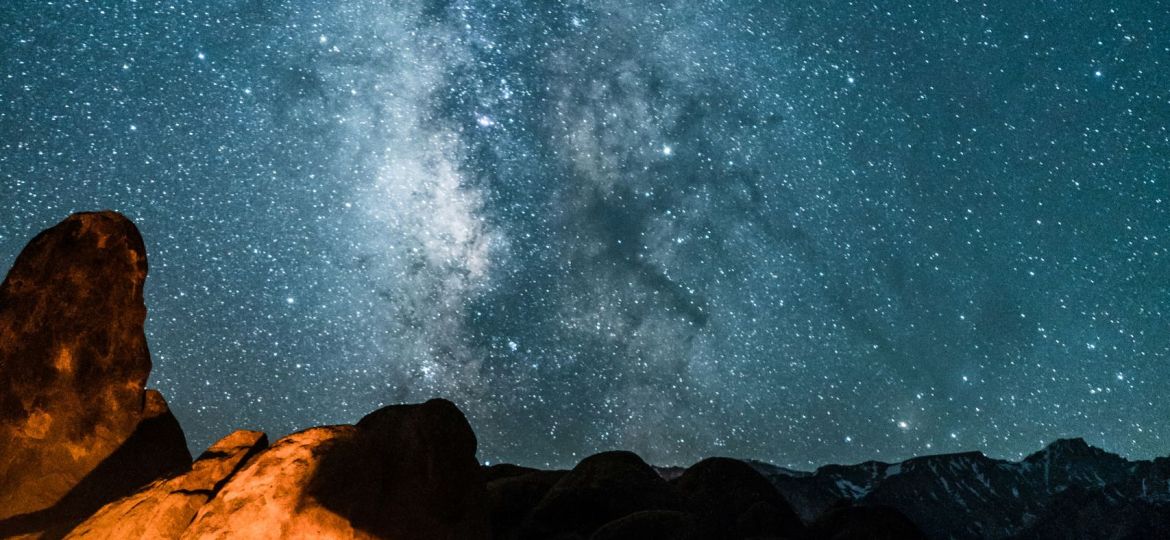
164, 509
403, 472
77, 427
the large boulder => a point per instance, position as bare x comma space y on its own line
403, 472
651, 525
846, 521
735, 501
600, 489
500, 471
164, 509
77, 427
512, 493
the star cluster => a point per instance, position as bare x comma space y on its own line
798, 233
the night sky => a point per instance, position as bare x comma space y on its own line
850, 231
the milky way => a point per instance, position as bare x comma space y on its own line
798, 234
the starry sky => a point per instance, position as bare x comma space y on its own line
798, 233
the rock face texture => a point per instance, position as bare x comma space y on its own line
165, 508
77, 427
266, 499
404, 471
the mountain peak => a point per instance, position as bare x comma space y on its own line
1067, 448
1076, 443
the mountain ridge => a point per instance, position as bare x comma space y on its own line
970, 495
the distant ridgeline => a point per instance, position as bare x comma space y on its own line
86, 451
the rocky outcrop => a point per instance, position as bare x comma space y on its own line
77, 427
164, 509
600, 489
266, 499
733, 499
404, 471
512, 493
851, 522
651, 525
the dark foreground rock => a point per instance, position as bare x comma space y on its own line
733, 499
600, 489
77, 426
651, 525
852, 522
512, 494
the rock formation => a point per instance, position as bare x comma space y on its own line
600, 489
165, 508
405, 471
77, 427
846, 521
651, 525
732, 498
512, 494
